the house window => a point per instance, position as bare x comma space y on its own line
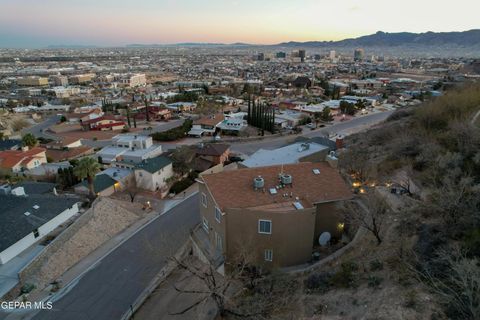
205, 224
265, 226
218, 214
36, 234
268, 255
204, 200
218, 241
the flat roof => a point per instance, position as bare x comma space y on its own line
285, 155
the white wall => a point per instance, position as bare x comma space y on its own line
148, 181
27, 241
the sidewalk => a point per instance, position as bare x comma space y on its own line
9, 271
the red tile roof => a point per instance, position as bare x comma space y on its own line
11, 158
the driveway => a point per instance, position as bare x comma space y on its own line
108, 289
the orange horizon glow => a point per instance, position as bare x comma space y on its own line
109, 22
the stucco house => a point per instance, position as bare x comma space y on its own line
153, 174
274, 213
15, 161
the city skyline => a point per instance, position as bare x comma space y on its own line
118, 23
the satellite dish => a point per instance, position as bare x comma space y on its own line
324, 239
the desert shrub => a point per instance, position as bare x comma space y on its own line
399, 114
318, 282
376, 265
345, 277
411, 299
471, 243
374, 281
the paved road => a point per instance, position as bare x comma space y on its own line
353, 125
39, 129
108, 290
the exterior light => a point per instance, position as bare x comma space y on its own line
340, 226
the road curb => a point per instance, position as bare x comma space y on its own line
157, 280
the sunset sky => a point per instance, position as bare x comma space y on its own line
36, 23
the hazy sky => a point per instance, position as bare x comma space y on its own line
31, 23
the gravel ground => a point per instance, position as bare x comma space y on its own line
109, 218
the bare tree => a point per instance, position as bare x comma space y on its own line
457, 201
132, 189
458, 286
215, 288
372, 217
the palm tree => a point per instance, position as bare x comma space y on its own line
87, 168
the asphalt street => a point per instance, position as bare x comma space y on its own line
108, 290
39, 130
353, 125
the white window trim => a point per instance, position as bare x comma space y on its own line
269, 256
205, 224
204, 199
217, 210
262, 220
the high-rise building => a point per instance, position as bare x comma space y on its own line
261, 56
281, 55
302, 55
332, 54
358, 54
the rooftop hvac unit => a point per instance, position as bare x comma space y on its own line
258, 182
286, 179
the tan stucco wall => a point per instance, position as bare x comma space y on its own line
291, 237
327, 218
209, 213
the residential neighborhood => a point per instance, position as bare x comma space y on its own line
214, 180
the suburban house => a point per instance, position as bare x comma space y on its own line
206, 125
84, 115
233, 125
153, 174
103, 123
274, 214
129, 148
67, 149
292, 153
209, 155
29, 214
24, 159
179, 107
155, 114
103, 185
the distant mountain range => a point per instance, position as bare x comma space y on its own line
385, 39
380, 39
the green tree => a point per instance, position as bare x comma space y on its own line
87, 168
326, 114
347, 108
29, 140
